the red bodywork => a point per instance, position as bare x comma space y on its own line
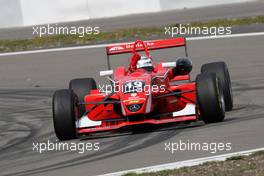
164, 97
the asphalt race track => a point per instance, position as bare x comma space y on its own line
28, 81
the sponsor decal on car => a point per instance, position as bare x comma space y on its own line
116, 48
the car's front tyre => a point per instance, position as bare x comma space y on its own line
210, 98
81, 87
63, 109
221, 71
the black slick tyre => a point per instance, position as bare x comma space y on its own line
221, 71
63, 109
81, 87
210, 98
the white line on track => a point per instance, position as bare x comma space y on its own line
104, 45
186, 163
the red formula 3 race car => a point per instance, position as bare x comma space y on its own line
143, 93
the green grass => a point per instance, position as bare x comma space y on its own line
231, 22
239, 157
114, 36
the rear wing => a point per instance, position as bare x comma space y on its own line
123, 48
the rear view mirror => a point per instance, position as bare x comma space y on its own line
169, 64
106, 73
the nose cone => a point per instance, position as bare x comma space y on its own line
135, 93
134, 103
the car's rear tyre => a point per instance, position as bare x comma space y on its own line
221, 71
81, 87
63, 109
210, 98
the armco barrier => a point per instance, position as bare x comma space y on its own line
32, 12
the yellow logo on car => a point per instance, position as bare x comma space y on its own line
133, 101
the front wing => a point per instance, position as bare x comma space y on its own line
85, 125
